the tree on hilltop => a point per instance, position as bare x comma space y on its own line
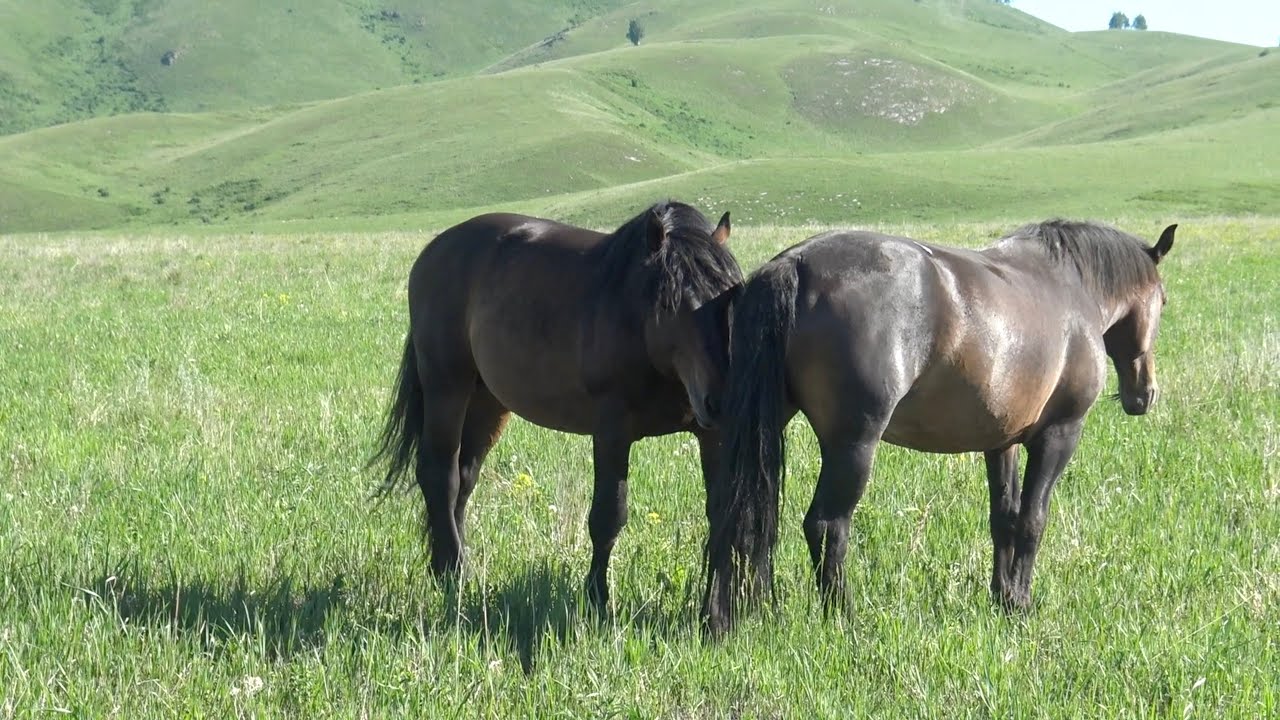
635, 32
1119, 21
1140, 23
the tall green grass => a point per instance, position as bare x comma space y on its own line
186, 528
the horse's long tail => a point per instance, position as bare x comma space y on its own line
398, 442
745, 497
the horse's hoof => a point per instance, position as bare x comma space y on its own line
714, 629
597, 594
835, 603
446, 569
715, 620
1012, 602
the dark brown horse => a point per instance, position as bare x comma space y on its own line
938, 349
618, 336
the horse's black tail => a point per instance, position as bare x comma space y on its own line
398, 443
743, 506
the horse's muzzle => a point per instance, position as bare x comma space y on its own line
1140, 403
706, 412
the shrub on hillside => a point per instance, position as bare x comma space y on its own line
635, 32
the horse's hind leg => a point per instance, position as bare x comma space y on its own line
846, 467
444, 410
1047, 456
849, 406
485, 420
1002, 481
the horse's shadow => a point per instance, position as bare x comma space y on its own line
546, 604
283, 617
541, 604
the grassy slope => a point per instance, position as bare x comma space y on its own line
918, 110
1167, 97
185, 528
64, 60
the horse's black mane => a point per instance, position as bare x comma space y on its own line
1114, 262
690, 262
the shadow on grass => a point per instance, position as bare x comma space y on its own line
542, 604
518, 616
284, 617
545, 603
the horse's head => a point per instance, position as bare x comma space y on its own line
693, 283
1130, 341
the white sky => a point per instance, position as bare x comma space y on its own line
1252, 22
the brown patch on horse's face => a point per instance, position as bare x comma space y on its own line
1131, 341
693, 344
1130, 344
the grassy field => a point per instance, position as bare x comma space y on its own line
186, 530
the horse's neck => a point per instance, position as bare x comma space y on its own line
614, 279
1111, 306
1035, 263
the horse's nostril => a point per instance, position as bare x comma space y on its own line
710, 404
1141, 403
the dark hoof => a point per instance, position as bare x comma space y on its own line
715, 629
446, 567
596, 591
1014, 603
716, 620
449, 584
716, 617
835, 601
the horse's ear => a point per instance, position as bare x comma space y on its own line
1163, 245
721, 234
656, 230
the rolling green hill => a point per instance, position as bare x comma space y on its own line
783, 112
65, 60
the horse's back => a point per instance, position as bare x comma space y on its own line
961, 353
500, 248
481, 235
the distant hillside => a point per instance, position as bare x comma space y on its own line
785, 111
66, 60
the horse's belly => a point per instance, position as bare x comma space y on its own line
933, 430
538, 384
948, 415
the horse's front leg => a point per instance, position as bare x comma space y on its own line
1047, 456
1002, 481
709, 456
611, 450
